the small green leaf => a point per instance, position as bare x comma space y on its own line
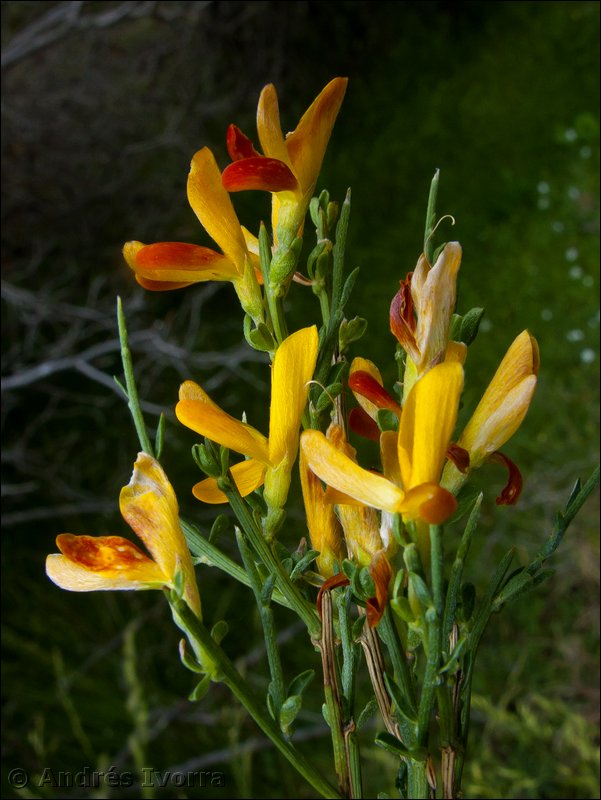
358, 627
468, 601
159, 437
367, 583
201, 689
470, 325
389, 742
301, 682
348, 287
303, 563
387, 420
370, 709
351, 331
267, 590
219, 527
401, 607
219, 631
289, 712
400, 701
260, 338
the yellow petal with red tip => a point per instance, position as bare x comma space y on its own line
364, 365
342, 473
307, 144
214, 423
247, 475
269, 127
148, 504
427, 423
111, 558
292, 369
212, 205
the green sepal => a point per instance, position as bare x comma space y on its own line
412, 559
201, 689
219, 631
399, 531
284, 263
455, 329
289, 712
259, 338
470, 325
206, 459
387, 420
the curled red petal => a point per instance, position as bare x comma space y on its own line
259, 172
334, 582
367, 386
380, 571
363, 425
515, 483
459, 456
238, 145
402, 318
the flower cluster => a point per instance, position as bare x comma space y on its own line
352, 512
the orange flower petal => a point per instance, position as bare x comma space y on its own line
177, 262
110, 557
238, 145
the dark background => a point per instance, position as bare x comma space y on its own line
103, 106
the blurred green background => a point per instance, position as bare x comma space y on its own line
103, 106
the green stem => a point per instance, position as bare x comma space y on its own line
265, 552
348, 680
277, 687
402, 674
417, 782
338, 252
228, 674
133, 401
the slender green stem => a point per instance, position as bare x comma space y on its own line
133, 401
277, 688
228, 674
417, 781
267, 555
437, 565
402, 674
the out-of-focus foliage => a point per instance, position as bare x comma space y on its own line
103, 106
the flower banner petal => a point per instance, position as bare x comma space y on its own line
74, 578
293, 367
212, 205
264, 174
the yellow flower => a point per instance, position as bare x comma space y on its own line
425, 430
270, 460
148, 504
172, 265
289, 166
499, 414
421, 312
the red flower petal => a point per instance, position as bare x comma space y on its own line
367, 386
238, 145
363, 425
515, 483
402, 318
380, 571
459, 456
259, 172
